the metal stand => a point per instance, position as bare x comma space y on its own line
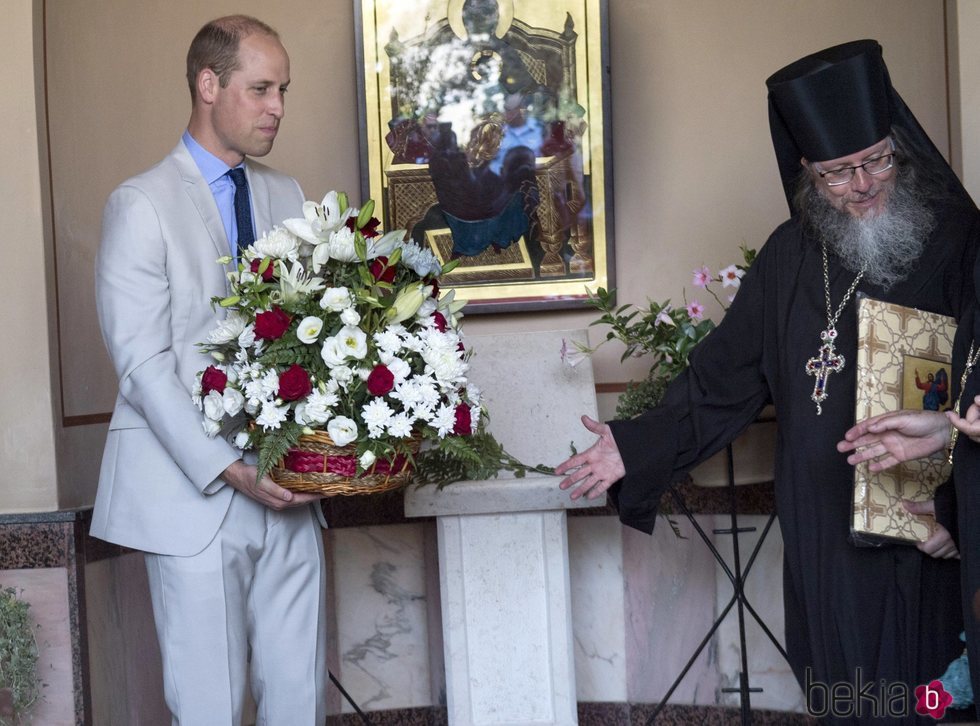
738, 599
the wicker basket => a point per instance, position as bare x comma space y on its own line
319, 466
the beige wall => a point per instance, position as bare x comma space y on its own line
964, 62
27, 429
693, 166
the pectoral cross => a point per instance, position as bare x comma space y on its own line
826, 362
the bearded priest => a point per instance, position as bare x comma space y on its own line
875, 210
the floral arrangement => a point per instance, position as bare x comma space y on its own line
662, 331
333, 326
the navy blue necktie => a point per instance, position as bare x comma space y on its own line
243, 210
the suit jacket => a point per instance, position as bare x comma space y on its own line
156, 273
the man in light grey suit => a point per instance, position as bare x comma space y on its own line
235, 563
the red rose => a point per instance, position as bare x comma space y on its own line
440, 319
435, 286
269, 271
464, 420
380, 380
271, 325
294, 383
369, 230
380, 270
214, 379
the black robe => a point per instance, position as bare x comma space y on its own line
966, 475
891, 612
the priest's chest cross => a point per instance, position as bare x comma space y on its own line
827, 361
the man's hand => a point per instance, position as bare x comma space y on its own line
894, 437
595, 469
244, 478
969, 424
940, 545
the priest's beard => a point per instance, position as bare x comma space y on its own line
886, 246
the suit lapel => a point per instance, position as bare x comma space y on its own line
201, 197
261, 201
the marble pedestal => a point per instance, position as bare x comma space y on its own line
503, 543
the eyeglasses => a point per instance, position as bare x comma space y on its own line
877, 165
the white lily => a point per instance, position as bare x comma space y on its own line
293, 286
319, 220
384, 245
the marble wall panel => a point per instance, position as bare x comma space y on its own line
595, 553
380, 604
670, 588
763, 589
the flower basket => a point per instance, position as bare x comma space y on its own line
317, 465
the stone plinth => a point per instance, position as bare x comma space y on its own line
503, 545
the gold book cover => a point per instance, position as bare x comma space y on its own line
903, 362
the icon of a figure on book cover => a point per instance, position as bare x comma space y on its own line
936, 387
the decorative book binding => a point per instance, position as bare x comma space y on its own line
903, 362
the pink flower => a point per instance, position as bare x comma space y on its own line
731, 276
663, 317
702, 276
695, 310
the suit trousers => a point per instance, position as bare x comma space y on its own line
249, 606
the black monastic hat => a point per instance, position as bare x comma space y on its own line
836, 102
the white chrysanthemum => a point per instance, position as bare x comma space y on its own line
476, 412
214, 406
272, 416
442, 359
367, 460
342, 430
444, 420
211, 428
270, 384
353, 341
413, 343
350, 317
400, 425
279, 243
342, 376
420, 260
228, 329
473, 394
388, 341
233, 401
336, 299
319, 406
309, 329
377, 415
341, 245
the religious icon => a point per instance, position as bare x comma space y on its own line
925, 384
483, 138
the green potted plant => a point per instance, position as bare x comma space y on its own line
19, 686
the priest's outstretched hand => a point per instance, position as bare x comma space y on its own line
597, 468
894, 437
